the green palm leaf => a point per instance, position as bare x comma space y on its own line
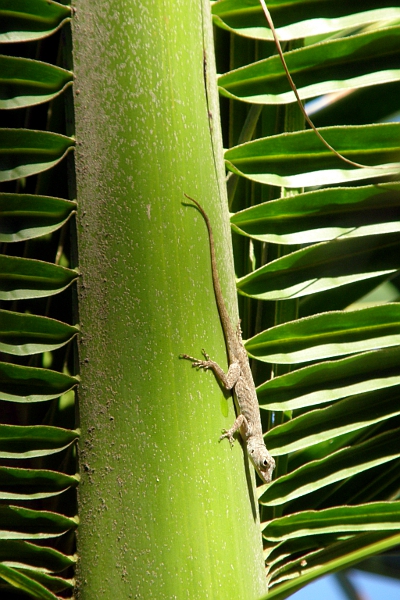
299, 159
327, 335
323, 215
41, 451
24, 20
336, 421
27, 82
298, 18
23, 334
335, 65
310, 251
28, 216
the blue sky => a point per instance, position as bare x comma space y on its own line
370, 587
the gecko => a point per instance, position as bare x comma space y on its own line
238, 379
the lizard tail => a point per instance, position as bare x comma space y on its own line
223, 313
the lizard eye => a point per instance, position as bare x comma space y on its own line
265, 462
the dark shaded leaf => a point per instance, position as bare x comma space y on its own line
27, 278
30, 484
26, 152
26, 82
26, 216
25, 20
25, 583
18, 522
18, 553
31, 384
23, 334
36, 440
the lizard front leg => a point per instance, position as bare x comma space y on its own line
228, 379
241, 425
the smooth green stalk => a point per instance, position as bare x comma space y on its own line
166, 511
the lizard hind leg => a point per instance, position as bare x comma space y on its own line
198, 362
228, 379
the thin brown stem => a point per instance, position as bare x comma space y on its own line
293, 86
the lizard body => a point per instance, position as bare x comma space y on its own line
239, 378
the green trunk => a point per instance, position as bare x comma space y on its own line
166, 511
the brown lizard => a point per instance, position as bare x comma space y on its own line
239, 378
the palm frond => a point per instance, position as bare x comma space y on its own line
311, 251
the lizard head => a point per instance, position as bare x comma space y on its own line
261, 459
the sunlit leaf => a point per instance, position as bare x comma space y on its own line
327, 335
341, 555
322, 267
335, 65
331, 380
324, 424
323, 215
299, 159
31, 384
297, 18
344, 519
336, 467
